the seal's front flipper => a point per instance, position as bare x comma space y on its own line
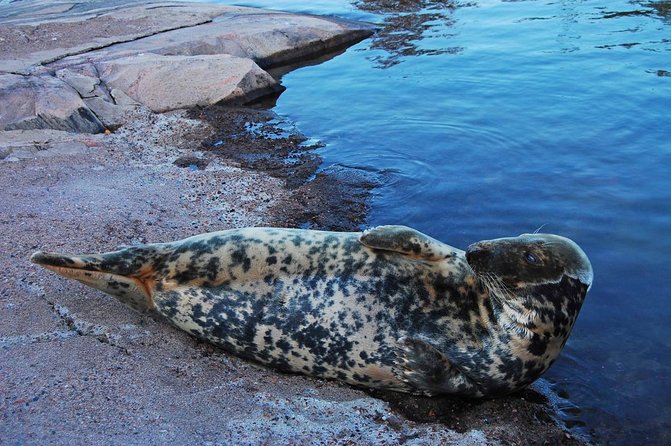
407, 241
424, 367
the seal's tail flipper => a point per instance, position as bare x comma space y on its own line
127, 274
57, 260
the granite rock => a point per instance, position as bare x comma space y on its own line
36, 32
84, 67
270, 38
43, 102
165, 83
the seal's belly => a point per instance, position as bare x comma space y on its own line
329, 308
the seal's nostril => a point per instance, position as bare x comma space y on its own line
476, 252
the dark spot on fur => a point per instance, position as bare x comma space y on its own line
284, 345
537, 345
212, 268
198, 312
239, 258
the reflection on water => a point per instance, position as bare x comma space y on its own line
405, 23
661, 9
493, 118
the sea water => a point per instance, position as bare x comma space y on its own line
492, 118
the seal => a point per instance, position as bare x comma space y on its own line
387, 308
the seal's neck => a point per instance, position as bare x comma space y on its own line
548, 310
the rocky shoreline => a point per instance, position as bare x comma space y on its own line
84, 68
98, 150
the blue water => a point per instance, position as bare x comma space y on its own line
494, 118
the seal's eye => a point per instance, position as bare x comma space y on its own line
532, 259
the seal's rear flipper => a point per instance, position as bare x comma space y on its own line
425, 368
407, 241
112, 273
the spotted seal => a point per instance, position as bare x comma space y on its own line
387, 308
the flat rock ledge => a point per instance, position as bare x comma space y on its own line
83, 67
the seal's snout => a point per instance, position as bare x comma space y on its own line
477, 255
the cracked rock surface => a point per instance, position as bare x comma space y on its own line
43, 102
98, 61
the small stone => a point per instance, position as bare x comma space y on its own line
191, 162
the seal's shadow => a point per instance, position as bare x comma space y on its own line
460, 414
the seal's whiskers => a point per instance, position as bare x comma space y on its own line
539, 228
500, 293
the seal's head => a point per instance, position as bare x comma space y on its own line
538, 281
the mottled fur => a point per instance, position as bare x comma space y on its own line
387, 308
